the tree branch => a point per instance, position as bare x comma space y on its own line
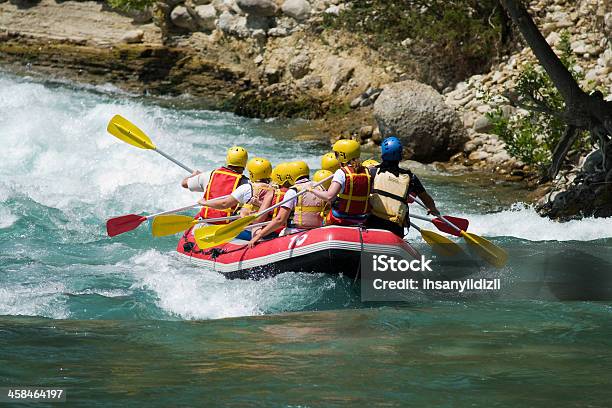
564, 145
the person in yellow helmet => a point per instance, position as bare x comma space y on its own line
370, 163
350, 188
224, 188
308, 209
330, 162
260, 174
321, 175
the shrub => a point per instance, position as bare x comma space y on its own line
130, 5
532, 136
456, 38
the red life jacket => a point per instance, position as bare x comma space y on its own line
353, 200
223, 181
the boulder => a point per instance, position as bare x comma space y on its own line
180, 17
297, 9
206, 16
339, 71
266, 8
299, 66
132, 36
233, 24
416, 113
483, 124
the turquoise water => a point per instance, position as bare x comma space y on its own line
125, 322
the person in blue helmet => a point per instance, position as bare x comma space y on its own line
391, 189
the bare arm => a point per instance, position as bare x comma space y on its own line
330, 194
429, 203
194, 174
279, 221
221, 203
266, 203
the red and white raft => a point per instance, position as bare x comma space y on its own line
332, 249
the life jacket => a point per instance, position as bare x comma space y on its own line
279, 195
309, 209
223, 181
389, 195
258, 194
353, 200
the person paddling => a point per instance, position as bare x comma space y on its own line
308, 210
350, 187
225, 181
391, 189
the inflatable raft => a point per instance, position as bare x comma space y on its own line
332, 249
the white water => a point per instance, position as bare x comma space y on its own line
62, 175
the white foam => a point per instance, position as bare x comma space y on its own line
193, 293
522, 221
44, 299
7, 218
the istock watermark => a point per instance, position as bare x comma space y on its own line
391, 277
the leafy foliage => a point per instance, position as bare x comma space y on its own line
532, 136
460, 36
130, 5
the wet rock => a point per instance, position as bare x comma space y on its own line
417, 114
132, 37
266, 8
297, 9
478, 155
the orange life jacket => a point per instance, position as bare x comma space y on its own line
353, 200
279, 195
309, 209
223, 181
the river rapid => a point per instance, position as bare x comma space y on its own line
124, 321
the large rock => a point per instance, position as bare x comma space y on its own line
298, 9
206, 16
299, 66
258, 7
417, 114
181, 18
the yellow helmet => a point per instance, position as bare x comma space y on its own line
280, 176
259, 169
321, 175
236, 156
297, 169
329, 162
347, 150
370, 163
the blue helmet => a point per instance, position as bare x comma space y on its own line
391, 149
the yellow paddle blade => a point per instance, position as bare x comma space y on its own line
486, 249
214, 235
440, 244
164, 225
125, 130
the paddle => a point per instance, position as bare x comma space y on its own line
126, 131
165, 225
214, 235
125, 223
461, 223
440, 244
484, 248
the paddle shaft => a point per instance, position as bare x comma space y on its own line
416, 227
148, 217
450, 224
173, 160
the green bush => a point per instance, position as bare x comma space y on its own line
532, 137
130, 5
457, 38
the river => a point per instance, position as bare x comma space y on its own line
124, 321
